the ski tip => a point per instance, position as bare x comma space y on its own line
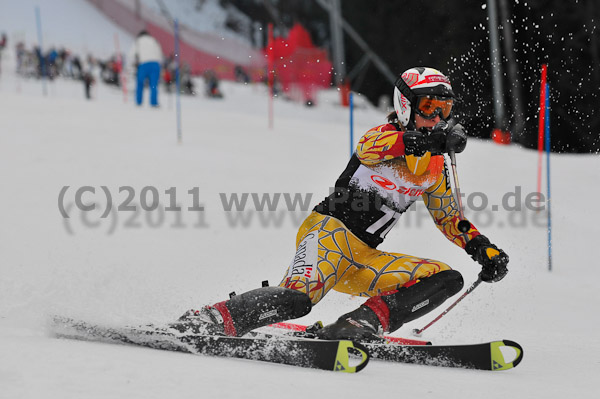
499, 355
346, 349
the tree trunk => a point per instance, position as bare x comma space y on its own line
594, 43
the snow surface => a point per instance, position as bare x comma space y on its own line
139, 273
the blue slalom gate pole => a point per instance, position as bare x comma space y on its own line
177, 82
38, 19
549, 202
351, 106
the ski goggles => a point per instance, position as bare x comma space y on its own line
430, 106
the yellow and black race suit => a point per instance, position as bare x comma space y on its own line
336, 245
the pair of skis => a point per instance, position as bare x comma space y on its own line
291, 347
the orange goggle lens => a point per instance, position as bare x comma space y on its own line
428, 106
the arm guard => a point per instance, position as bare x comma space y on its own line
380, 144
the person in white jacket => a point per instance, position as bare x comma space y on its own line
147, 56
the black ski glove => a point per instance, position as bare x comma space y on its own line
492, 259
418, 143
456, 137
443, 138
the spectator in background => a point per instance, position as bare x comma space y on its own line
76, 67
87, 75
62, 61
41, 62
147, 56
21, 58
187, 85
169, 73
241, 75
2, 46
211, 84
110, 71
88, 81
51, 59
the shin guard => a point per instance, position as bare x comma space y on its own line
410, 303
261, 307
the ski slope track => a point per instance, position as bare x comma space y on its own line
136, 268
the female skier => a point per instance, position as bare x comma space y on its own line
394, 164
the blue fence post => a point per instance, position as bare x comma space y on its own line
351, 107
177, 82
549, 202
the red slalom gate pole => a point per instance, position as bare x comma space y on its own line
541, 126
271, 72
121, 68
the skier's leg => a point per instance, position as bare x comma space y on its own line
245, 312
140, 80
385, 271
153, 77
326, 252
323, 256
421, 290
411, 302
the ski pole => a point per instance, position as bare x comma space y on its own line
418, 332
463, 227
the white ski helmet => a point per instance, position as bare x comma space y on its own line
416, 82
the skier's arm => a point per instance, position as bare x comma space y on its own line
380, 144
443, 209
386, 142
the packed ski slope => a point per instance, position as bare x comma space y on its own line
146, 270
151, 266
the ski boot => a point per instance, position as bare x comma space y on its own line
387, 313
361, 324
243, 313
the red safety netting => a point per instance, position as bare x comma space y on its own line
300, 68
196, 49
